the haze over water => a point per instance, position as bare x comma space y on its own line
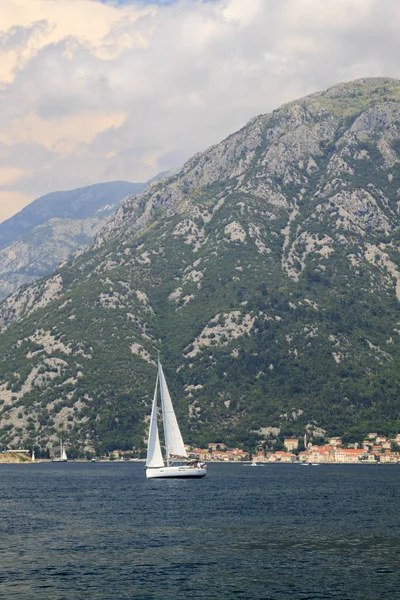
102, 531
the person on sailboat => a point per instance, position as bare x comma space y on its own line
201, 465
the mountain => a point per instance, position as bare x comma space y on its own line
266, 271
44, 233
82, 203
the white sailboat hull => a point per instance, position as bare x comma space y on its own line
178, 471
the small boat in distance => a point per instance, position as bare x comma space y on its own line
176, 455
63, 455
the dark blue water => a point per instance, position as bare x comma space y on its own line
101, 531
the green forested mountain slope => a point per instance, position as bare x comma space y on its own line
266, 272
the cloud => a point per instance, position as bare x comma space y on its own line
63, 134
92, 91
11, 202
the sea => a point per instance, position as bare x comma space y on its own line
101, 531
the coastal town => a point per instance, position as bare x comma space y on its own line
375, 449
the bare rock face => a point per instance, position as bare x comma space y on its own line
266, 271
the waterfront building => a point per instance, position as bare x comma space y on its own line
237, 455
349, 455
259, 457
291, 444
372, 458
284, 457
200, 454
304, 456
389, 457
321, 454
221, 456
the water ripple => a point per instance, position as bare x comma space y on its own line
102, 532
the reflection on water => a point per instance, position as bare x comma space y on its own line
102, 531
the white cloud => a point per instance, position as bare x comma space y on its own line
11, 202
93, 91
63, 133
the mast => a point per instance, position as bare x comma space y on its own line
173, 439
160, 374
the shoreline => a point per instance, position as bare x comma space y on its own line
18, 460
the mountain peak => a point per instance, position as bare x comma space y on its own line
352, 97
266, 269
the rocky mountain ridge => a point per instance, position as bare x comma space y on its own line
267, 272
46, 232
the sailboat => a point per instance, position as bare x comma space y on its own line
63, 455
176, 464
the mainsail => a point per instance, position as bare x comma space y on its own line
63, 454
173, 439
154, 455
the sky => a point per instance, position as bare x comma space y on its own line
102, 90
